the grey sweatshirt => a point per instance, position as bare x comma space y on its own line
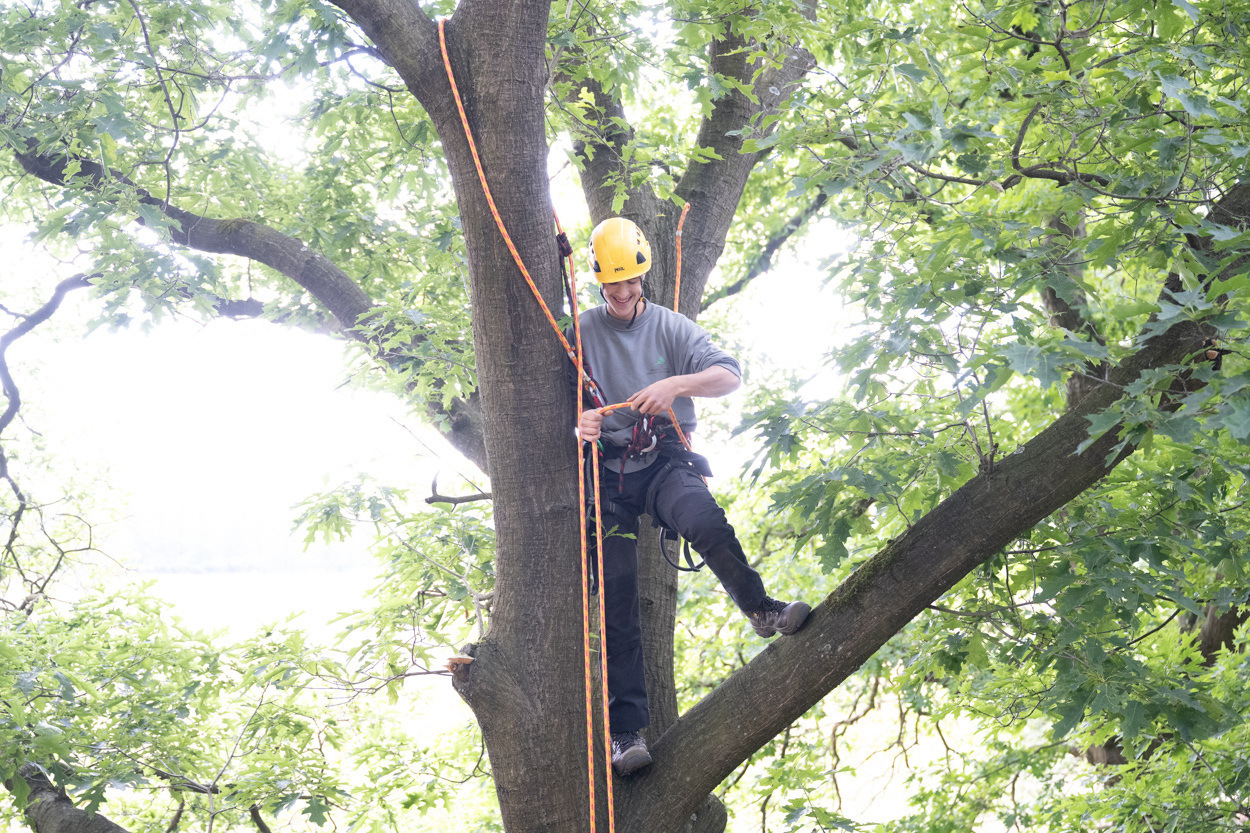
625, 359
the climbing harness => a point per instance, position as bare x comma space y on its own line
594, 392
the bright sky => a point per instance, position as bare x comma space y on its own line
204, 439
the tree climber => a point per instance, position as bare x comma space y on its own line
656, 359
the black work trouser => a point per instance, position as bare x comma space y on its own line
682, 502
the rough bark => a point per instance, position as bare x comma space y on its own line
525, 686
50, 810
1218, 631
1108, 754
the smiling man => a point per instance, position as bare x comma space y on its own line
656, 359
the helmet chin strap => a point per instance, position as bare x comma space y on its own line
641, 297
633, 317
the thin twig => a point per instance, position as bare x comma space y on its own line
435, 497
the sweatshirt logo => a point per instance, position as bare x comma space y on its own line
659, 361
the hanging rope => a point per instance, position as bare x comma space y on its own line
581, 504
587, 383
685, 209
490, 200
584, 381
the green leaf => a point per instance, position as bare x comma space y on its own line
1196, 105
1123, 312
1033, 360
1187, 8
152, 216
833, 551
317, 811
1134, 721
1099, 424
21, 791
1172, 84
912, 71
1069, 715
1235, 417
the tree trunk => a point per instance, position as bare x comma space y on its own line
525, 687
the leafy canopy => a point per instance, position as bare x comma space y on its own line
1025, 179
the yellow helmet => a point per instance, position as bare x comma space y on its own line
618, 251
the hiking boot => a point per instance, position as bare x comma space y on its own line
775, 617
629, 752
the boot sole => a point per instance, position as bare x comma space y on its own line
631, 760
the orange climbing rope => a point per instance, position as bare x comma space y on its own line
481, 175
685, 209
581, 506
584, 380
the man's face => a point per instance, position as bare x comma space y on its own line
622, 296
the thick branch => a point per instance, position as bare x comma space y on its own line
882, 596
713, 186
49, 810
1218, 631
603, 163
254, 812
1003, 502
239, 308
291, 257
287, 255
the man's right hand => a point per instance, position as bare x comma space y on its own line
590, 426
